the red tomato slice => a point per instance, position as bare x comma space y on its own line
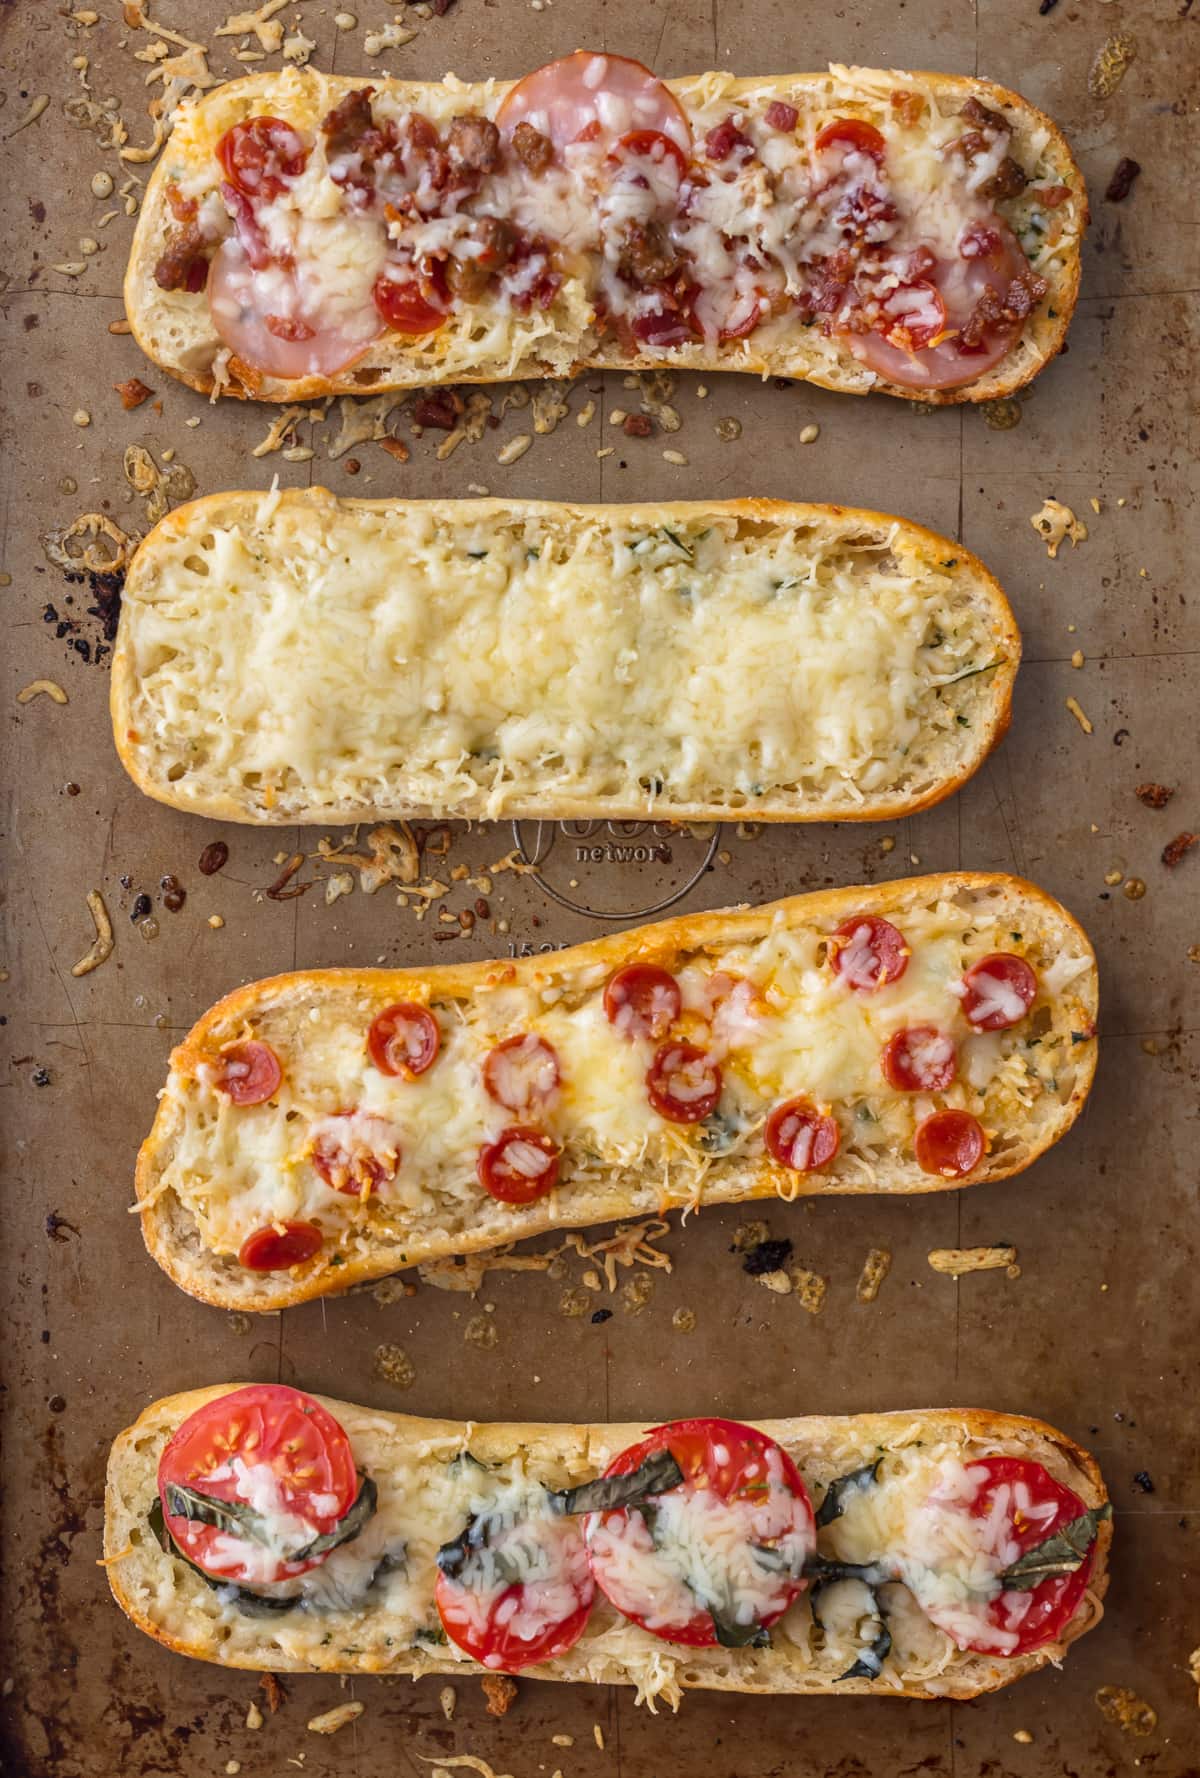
800, 1137
919, 1059
270, 1447
404, 1039
650, 145
520, 1166
868, 953
408, 305
249, 1073
521, 1072
852, 136
506, 1628
913, 315
355, 1151
722, 1462
267, 1250
684, 1083
642, 1000
563, 99
950, 1143
247, 316
260, 155
1000, 990
1031, 1506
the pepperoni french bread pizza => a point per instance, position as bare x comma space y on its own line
917, 234
488, 658
331, 1126
922, 1554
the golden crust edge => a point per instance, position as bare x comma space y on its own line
1049, 340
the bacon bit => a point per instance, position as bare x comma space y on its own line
1077, 713
1056, 522
272, 1689
954, 1261
637, 426
1051, 197
440, 410
779, 116
214, 857
278, 890
330, 1721
908, 107
1175, 850
102, 944
1154, 796
37, 687
132, 393
1121, 183
876, 1267
396, 447
500, 1692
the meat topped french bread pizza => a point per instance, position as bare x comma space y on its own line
305, 234
934, 1554
294, 657
331, 1126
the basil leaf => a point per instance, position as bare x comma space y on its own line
1061, 1553
347, 1527
869, 1664
677, 541
734, 1635
158, 1525
231, 1516
838, 1491
658, 1474
820, 1569
250, 1604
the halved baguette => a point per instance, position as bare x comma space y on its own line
210, 1173
482, 344
376, 1630
295, 657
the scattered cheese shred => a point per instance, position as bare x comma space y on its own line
1056, 522
330, 1721
102, 944
1074, 707
876, 1267
954, 1261
37, 687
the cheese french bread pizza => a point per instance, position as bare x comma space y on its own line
294, 657
331, 1126
917, 234
922, 1554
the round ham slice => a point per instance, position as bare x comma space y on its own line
609, 96
265, 320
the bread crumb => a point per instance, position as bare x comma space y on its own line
876, 1267
1077, 658
448, 1698
810, 435
676, 457
1077, 713
330, 1721
608, 451
778, 1281
216, 921
1056, 522
81, 417
598, 1733
1024, 1737
232, 1767
516, 447
345, 21
569, 1740
254, 1716
955, 1261
887, 843
586, 414
1113, 877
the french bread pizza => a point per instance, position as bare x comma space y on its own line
306, 234
327, 1127
294, 657
934, 1554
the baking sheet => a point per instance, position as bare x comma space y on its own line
1099, 1332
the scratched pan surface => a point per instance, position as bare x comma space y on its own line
1098, 1334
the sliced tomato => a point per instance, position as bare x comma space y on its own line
404, 1039
614, 94
409, 305
650, 145
919, 1059
522, 1072
249, 1073
913, 315
508, 1627
999, 991
1021, 1497
736, 1481
272, 1249
271, 1448
868, 953
355, 1152
684, 1083
261, 155
950, 1144
520, 1166
642, 1000
801, 1137
852, 136
248, 303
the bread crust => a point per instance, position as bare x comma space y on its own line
170, 1231
319, 507
1041, 339
131, 1482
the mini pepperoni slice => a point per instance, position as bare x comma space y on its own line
404, 1039
913, 315
852, 136
950, 1144
801, 1137
1000, 990
522, 1072
602, 95
249, 1073
919, 1059
278, 1249
520, 1166
651, 145
642, 1000
260, 155
410, 305
868, 953
684, 1083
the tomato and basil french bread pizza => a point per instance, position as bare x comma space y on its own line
919, 1554
294, 657
330, 1126
913, 233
